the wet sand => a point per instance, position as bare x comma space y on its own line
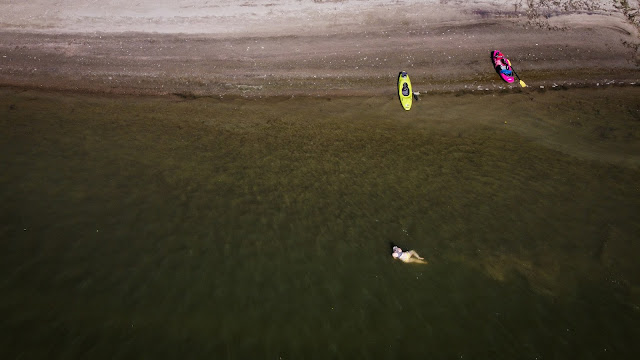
327, 48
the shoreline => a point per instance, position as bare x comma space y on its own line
186, 96
444, 50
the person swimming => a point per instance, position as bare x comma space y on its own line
409, 256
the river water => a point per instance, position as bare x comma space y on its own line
234, 228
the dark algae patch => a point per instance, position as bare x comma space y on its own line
186, 227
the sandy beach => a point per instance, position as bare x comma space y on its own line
261, 48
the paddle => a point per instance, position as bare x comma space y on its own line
521, 82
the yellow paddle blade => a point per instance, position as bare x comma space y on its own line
522, 84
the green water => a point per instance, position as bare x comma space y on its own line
150, 228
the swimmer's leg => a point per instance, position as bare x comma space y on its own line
415, 254
416, 261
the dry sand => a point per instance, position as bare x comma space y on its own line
313, 47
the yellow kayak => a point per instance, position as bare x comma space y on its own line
404, 90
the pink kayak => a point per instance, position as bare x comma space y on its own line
502, 66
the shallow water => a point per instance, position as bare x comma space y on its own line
260, 228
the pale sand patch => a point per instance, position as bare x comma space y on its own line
273, 17
250, 17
